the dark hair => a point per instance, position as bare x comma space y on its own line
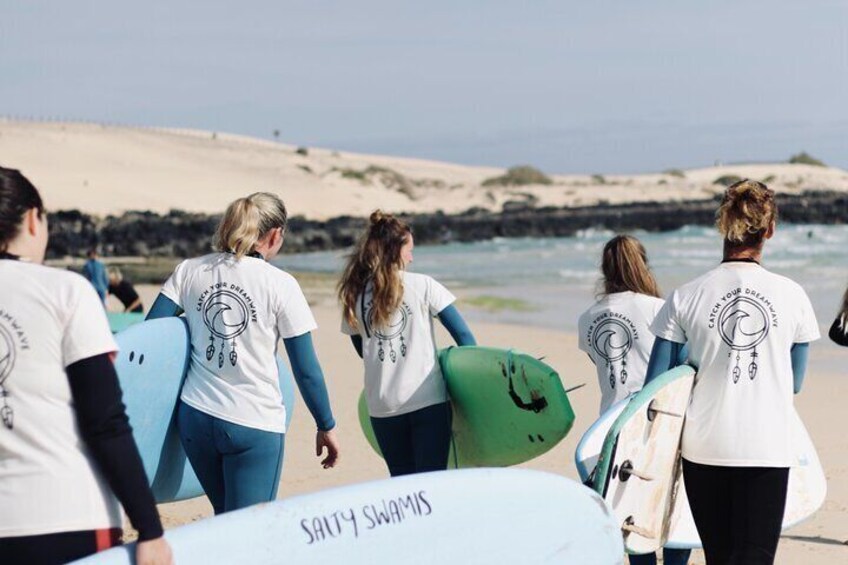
17, 197
625, 267
376, 259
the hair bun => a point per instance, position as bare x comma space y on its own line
377, 216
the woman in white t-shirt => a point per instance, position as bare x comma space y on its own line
748, 332
614, 331
615, 334
231, 415
67, 455
388, 312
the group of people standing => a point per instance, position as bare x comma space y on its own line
746, 330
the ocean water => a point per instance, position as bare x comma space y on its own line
557, 277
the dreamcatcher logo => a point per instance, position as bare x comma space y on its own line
612, 341
394, 330
743, 325
8, 354
226, 316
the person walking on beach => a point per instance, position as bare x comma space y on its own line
123, 290
748, 332
388, 312
68, 461
231, 415
615, 333
95, 271
838, 333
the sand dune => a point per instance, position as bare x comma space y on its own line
104, 169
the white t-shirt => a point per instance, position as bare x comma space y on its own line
615, 333
402, 372
740, 322
237, 311
49, 319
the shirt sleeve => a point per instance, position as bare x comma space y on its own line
582, 322
295, 317
87, 330
438, 297
666, 325
173, 287
808, 326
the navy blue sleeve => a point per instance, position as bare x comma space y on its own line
664, 356
163, 307
310, 379
356, 340
838, 333
456, 326
106, 430
800, 353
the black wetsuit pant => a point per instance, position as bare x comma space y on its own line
415, 442
738, 511
50, 549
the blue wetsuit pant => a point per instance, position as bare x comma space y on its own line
237, 466
415, 442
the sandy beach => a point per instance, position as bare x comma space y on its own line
818, 541
109, 169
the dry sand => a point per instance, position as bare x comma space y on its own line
818, 541
103, 169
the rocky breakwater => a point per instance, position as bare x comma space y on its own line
182, 234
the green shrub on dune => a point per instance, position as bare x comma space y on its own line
804, 158
519, 176
727, 180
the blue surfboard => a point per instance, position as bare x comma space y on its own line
152, 365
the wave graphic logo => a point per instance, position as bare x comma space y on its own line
612, 341
743, 324
226, 315
8, 354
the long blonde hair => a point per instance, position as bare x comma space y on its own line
625, 267
747, 211
376, 259
247, 220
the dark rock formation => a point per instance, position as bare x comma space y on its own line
182, 234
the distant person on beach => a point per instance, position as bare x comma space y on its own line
95, 271
68, 461
123, 290
615, 333
388, 313
748, 332
231, 416
838, 333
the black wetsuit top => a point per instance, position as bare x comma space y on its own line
125, 292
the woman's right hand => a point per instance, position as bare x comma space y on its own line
153, 552
328, 440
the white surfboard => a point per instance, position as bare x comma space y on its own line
806, 491
465, 517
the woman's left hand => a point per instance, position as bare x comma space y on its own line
328, 440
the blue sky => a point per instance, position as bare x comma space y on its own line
603, 86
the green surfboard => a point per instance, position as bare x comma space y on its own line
508, 407
119, 321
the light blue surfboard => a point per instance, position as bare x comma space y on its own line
468, 516
151, 366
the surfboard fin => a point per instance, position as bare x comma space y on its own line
626, 471
628, 526
653, 410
